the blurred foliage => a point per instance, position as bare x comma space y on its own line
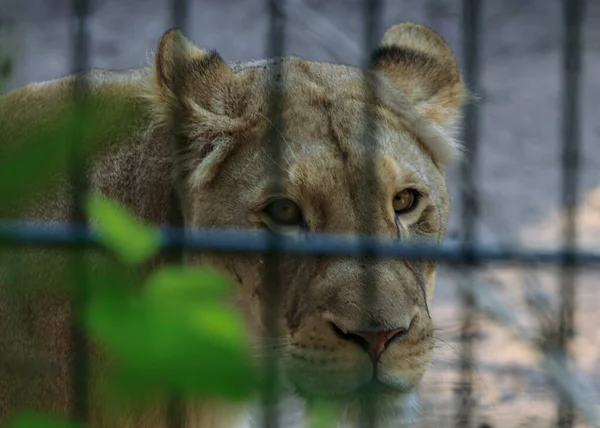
322, 414
190, 339
131, 240
172, 331
37, 154
181, 286
34, 420
178, 333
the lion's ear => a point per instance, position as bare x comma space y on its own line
421, 64
193, 96
188, 76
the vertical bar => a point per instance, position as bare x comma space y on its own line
471, 16
179, 13
80, 370
6, 50
571, 71
271, 277
373, 13
469, 207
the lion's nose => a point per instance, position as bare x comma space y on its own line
373, 342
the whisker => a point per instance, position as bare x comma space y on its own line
273, 160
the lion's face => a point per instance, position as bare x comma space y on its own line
346, 324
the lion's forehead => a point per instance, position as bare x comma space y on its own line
319, 82
321, 165
328, 157
336, 103
330, 124
332, 147
333, 103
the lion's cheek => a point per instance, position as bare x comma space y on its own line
403, 369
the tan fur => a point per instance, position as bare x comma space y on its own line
218, 114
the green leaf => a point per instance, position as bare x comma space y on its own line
197, 350
120, 231
185, 285
36, 420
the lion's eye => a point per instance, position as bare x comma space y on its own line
284, 212
406, 201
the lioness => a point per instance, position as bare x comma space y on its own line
336, 343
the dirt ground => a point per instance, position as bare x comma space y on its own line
518, 164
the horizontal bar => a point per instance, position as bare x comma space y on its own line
58, 234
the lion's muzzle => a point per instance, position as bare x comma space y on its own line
372, 342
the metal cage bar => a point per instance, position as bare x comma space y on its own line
179, 14
276, 45
571, 147
471, 35
80, 370
372, 14
67, 235
176, 239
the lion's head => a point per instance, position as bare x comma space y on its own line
334, 341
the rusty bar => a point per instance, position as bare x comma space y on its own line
469, 208
80, 369
571, 72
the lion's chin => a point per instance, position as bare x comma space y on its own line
343, 384
394, 404
350, 387
350, 392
